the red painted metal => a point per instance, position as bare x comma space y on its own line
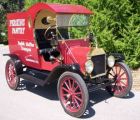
23, 43
71, 94
68, 8
20, 41
61, 8
75, 51
44, 65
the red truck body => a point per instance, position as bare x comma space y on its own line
21, 35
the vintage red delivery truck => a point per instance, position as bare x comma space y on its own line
44, 48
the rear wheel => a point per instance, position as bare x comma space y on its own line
123, 80
11, 74
73, 94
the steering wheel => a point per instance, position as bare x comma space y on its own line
50, 35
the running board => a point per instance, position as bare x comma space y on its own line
32, 79
35, 76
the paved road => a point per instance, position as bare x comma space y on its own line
36, 103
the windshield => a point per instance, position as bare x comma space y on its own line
71, 20
72, 26
72, 32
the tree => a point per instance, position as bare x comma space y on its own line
6, 6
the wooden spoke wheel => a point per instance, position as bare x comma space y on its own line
123, 80
11, 74
73, 94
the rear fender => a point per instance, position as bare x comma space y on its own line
17, 61
11, 56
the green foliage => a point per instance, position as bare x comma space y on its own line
116, 24
28, 3
2, 26
7, 6
117, 27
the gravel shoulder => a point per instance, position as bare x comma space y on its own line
136, 79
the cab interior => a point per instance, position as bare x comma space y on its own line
43, 34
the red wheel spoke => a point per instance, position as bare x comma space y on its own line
65, 89
76, 102
67, 99
69, 83
72, 84
121, 87
66, 85
65, 94
70, 105
119, 71
73, 103
123, 83
78, 93
76, 97
117, 88
76, 88
113, 71
121, 74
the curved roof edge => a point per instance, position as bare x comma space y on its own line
60, 8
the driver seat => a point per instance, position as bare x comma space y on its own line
41, 40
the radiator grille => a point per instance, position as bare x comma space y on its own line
99, 62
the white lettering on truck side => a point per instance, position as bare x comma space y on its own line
18, 26
18, 30
17, 22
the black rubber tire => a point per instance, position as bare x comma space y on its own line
84, 90
125, 92
18, 69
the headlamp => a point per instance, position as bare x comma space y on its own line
111, 61
89, 66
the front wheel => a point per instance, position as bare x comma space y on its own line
122, 76
73, 94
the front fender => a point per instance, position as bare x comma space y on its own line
118, 57
57, 71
